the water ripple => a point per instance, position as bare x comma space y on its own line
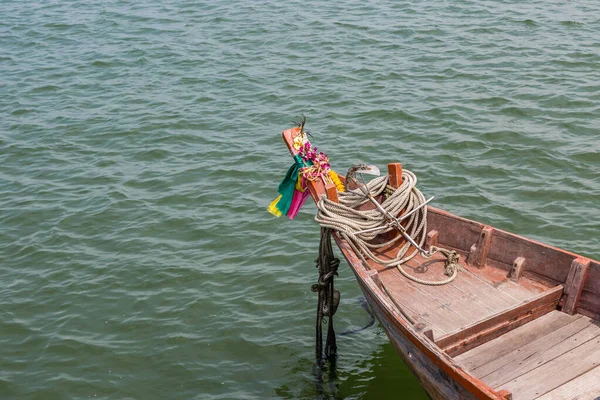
140, 146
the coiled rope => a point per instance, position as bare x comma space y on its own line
345, 218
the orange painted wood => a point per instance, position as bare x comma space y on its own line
395, 174
332, 193
505, 394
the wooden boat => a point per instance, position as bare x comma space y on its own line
520, 321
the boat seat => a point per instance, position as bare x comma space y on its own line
552, 357
479, 305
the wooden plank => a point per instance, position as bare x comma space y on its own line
483, 292
404, 296
556, 372
500, 323
522, 291
537, 352
589, 301
583, 387
452, 300
575, 282
515, 290
420, 307
511, 341
593, 282
439, 384
397, 325
498, 330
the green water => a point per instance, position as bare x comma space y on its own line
140, 145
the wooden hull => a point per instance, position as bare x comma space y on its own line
435, 371
437, 383
520, 320
438, 364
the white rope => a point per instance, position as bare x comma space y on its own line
345, 218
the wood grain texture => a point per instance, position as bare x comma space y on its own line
575, 282
397, 327
593, 283
453, 233
479, 251
556, 372
538, 352
511, 341
583, 387
541, 259
498, 324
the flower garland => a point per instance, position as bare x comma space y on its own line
317, 163
310, 165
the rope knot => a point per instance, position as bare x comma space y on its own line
451, 263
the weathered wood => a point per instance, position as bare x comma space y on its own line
593, 282
556, 372
479, 251
543, 349
424, 329
483, 292
395, 175
431, 239
448, 308
583, 387
420, 306
374, 275
517, 269
519, 292
454, 232
449, 300
491, 328
464, 385
428, 333
439, 384
541, 259
515, 290
575, 282
513, 340
589, 303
